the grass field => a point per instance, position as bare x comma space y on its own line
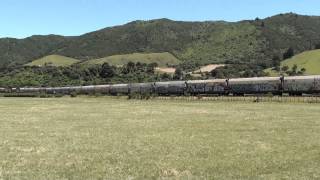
118, 60
109, 138
53, 60
310, 60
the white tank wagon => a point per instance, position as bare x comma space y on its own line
256, 85
102, 89
3, 90
27, 90
141, 88
86, 89
171, 88
213, 86
297, 85
118, 89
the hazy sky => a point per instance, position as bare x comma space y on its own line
22, 18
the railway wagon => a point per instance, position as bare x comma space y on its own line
103, 89
119, 89
3, 90
76, 89
62, 90
297, 85
171, 88
142, 88
27, 90
261, 85
49, 90
214, 86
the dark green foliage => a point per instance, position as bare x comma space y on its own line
285, 68
199, 42
276, 63
288, 54
234, 71
73, 94
107, 71
294, 71
48, 76
317, 46
178, 74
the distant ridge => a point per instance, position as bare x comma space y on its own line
210, 42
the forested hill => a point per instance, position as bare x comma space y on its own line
254, 41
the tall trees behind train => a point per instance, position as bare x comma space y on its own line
78, 75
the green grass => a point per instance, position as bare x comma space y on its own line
53, 60
310, 60
108, 138
163, 59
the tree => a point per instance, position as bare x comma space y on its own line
107, 71
151, 67
317, 46
294, 71
131, 66
276, 62
165, 76
288, 54
218, 73
294, 68
178, 74
285, 68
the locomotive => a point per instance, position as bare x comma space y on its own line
297, 85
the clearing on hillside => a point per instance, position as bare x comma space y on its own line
165, 70
208, 68
162, 59
310, 60
114, 138
53, 60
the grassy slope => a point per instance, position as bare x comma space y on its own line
54, 60
98, 138
161, 58
310, 60
204, 42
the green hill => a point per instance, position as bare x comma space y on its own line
310, 60
162, 59
53, 60
209, 42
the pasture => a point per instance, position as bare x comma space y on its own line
310, 60
53, 60
162, 59
110, 138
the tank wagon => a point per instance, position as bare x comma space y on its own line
296, 85
215, 86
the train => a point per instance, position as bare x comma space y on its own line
295, 86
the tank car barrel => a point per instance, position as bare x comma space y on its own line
295, 85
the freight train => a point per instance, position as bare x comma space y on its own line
297, 86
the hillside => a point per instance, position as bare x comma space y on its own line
210, 42
162, 59
53, 60
310, 60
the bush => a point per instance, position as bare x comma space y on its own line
73, 94
288, 54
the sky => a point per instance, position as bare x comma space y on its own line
23, 18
